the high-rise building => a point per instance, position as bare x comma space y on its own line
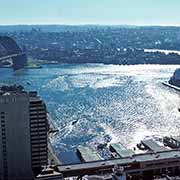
23, 133
15, 138
38, 129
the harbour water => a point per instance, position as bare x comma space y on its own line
92, 104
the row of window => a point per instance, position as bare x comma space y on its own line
38, 113
40, 107
39, 125
35, 146
2, 115
38, 118
3, 133
38, 129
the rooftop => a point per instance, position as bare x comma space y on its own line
88, 154
121, 150
16, 90
153, 146
149, 158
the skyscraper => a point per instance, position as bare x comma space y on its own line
23, 133
15, 139
38, 131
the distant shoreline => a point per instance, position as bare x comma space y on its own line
76, 64
162, 51
93, 24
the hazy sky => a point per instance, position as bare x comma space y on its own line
162, 12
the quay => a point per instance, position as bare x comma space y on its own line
120, 150
158, 160
87, 154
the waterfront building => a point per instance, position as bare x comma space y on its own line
23, 133
38, 132
15, 138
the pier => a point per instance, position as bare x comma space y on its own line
120, 150
87, 154
156, 161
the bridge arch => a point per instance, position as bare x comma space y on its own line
18, 57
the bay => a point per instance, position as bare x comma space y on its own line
95, 103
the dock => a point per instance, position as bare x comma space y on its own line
87, 154
120, 150
149, 161
145, 165
153, 146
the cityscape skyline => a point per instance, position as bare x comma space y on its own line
71, 12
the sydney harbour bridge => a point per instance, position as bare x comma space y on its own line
12, 51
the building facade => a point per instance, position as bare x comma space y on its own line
15, 140
39, 129
23, 134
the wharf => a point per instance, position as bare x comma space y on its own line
87, 154
153, 146
120, 150
136, 164
158, 159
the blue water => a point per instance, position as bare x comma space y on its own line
110, 103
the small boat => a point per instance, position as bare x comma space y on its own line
74, 122
28, 83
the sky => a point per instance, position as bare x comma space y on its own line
107, 12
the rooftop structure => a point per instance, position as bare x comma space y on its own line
49, 174
87, 154
120, 150
143, 165
153, 146
158, 162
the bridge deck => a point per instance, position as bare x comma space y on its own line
9, 56
19, 58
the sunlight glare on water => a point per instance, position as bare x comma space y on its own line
108, 103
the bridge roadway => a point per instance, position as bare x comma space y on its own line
10, 56
136, 163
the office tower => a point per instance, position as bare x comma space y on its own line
39, 129
15, 139
23, 133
